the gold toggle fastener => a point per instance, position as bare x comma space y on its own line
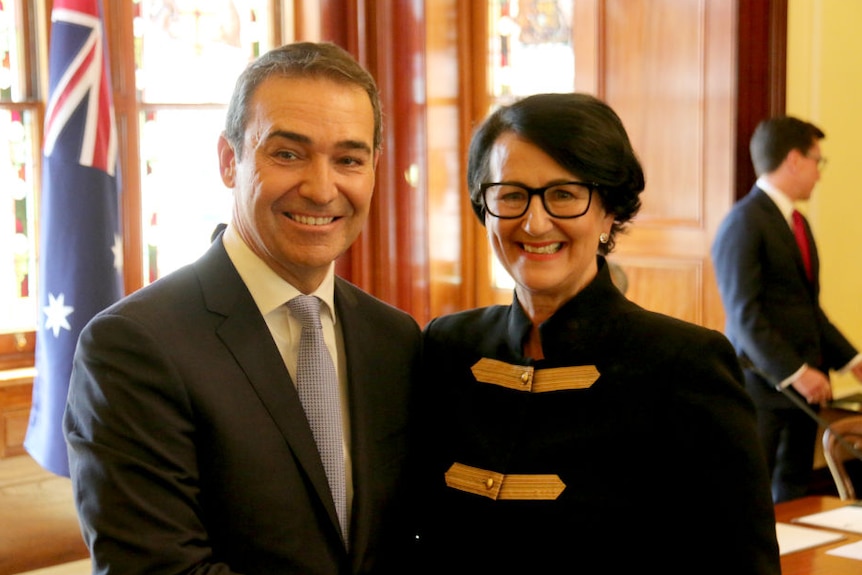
504, 486
527, 378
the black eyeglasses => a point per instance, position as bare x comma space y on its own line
562, 200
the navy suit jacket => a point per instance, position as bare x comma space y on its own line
773, 313
189, 447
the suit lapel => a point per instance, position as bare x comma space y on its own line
366, 395
775, 220
245, 333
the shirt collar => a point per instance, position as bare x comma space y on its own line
784, 203
268, 290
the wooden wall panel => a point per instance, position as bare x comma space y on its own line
654, 58
445, 166
761, 76
652, 280
16, 390
667, 67
390, 258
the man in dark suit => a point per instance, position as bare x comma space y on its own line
769, 285
190, 449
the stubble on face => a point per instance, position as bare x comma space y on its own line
305, 184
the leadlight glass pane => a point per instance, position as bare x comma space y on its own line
17, 224
182, 192
11, 85
188, 56
530, 51
191, 51
530, 48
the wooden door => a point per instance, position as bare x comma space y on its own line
667, 68
690, 79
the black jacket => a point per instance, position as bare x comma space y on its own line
659, 456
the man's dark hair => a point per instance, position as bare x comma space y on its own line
774, 138
299, 60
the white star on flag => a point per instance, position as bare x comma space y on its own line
56, 313
80, 199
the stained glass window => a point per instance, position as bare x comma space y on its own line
188, 56
18, 169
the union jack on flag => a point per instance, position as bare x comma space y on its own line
82, 76
80, 254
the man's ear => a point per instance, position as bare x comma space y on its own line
227, 161
793, 158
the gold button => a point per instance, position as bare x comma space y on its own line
489, 483
525, 377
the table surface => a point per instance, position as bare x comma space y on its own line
815, 561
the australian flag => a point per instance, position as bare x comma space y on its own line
80, 265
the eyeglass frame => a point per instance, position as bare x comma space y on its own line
821, 161
590, 186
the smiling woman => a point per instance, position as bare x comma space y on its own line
519, 397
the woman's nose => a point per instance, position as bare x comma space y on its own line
537, 220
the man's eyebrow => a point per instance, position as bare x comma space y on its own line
355, 145
288, 135
303, 139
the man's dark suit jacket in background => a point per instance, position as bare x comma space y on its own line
773, 313
214, 429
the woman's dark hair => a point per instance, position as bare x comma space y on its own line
582, 134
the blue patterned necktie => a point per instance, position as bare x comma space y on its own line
317, 385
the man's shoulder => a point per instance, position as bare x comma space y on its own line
745, 216
752, 203
350, 297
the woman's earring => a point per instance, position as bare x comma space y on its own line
603, 237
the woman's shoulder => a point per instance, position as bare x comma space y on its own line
650, 326
472, 320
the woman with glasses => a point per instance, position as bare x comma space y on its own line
574, 431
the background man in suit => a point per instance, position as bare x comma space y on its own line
190, 448
771, 299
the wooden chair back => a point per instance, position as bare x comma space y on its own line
837, 454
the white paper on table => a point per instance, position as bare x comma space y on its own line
851, 551
796, 538
847, 518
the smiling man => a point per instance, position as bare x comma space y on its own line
193, 444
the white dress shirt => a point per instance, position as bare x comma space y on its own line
271, 294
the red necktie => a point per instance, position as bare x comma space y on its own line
802, 241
